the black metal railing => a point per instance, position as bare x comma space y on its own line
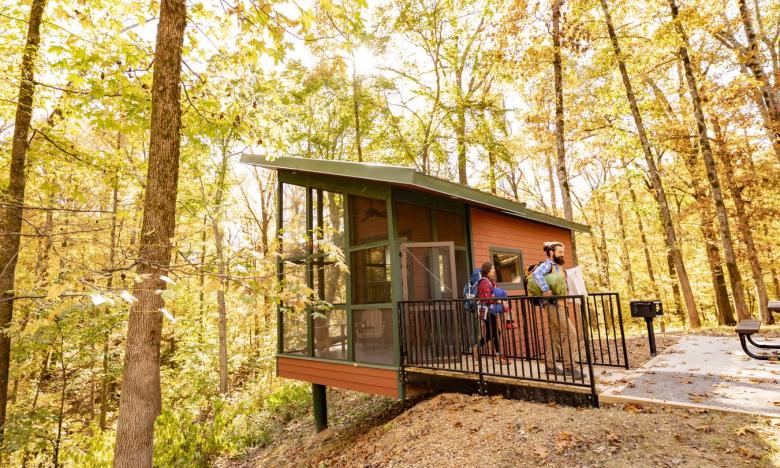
556, 339
605, 319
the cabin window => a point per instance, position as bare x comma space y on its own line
509, 267
370, 273
413, 223
330, 334
367, 220
373, 331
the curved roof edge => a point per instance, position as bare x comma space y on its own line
406, 176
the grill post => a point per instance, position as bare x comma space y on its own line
651, 335
648, 310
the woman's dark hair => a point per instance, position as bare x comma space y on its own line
486, 267
551, 246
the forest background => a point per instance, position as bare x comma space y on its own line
656, 123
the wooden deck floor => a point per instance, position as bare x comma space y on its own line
516, 368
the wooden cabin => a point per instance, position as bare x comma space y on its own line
405, 236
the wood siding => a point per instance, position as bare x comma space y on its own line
349, 376
491, 229
496, 230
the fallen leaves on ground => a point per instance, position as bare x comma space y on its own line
498, 432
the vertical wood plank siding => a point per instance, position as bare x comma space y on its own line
363, 379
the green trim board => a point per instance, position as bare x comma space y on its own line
405, 177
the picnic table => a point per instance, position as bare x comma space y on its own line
746, 329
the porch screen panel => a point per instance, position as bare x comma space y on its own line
367, 220
294, 314
451, 227
373, 330
330, 334
413, 222
294, 235
371, 276
328, 262
429, 273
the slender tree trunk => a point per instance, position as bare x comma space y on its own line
624, 245
11, 220
753, 61
773, 270
109, 285
655, 177
551, 183
222, 272
560, 131
712, 171
140, 402
460, 136
356, 106
604, 264
643, 237
61, 411
492, 170
743, 225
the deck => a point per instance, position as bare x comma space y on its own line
444, 347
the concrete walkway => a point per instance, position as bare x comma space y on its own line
701, 372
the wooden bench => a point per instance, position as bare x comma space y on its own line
746, 329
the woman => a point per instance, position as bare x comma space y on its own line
490, 312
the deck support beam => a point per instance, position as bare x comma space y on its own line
320, 407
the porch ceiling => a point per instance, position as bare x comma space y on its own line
410, 178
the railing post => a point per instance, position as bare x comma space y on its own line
594, 394
478, 329
622, 333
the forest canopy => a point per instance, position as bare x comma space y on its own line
656, 123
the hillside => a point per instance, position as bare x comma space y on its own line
464, 430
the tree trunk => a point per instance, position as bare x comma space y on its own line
743, 225
712, 172
109, 285
460, 136
753, 61
655, 177
11, 220
560, 145
356, 106
604, 264
689, 152
61, 411
643, 237
551, 183
492, 170
140, 401
202, 282
624, 245
222, 272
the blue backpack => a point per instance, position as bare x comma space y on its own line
470, 291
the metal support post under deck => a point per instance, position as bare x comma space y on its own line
320, 407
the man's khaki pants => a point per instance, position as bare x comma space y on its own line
561, 340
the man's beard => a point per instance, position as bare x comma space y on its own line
559, 260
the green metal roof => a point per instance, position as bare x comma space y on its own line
406, 176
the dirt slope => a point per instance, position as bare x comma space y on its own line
463, 430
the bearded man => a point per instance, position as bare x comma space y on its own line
548, 279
